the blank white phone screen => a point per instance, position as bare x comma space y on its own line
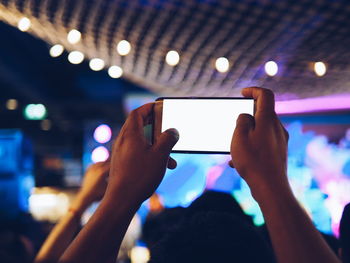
204, 125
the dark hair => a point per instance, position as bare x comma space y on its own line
207, 237
12, 248
157, 225
344, 231
218, 202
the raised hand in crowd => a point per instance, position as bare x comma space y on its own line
137, 168
259, 153
93, 188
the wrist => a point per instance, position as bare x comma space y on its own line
113, 205
79, 205
263, 191
121, 195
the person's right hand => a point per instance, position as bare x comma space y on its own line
259, 145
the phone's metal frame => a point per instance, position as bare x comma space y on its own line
196, 98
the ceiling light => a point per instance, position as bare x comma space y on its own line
271, 68
115, 72
96, 64
75, 57
320, 68
172, 58
123, 47
74, 36
222, 64
56, 50
24, 24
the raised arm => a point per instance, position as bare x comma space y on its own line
259, 153
137, 168
93, 188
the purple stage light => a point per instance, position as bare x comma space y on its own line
99, 154
103, 133
340, 102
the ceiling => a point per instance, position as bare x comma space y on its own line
248, 33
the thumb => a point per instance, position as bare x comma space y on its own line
245, 123
167, 140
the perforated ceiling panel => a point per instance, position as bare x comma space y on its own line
249, 33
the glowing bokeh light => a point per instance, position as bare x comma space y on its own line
99, 154
123, 48
45, 125
96, 64
103, 133
271, 68
326, 103
11, 104
74, 36
24, 24
75, 57
320, 69
35, 112
48, 206
172, 58
222, 64
115, 72
140, 254
56, 50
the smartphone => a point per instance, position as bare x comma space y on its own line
205, 125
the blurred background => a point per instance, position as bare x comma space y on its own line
71, 71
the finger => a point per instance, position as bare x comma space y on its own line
265, 99
285, 132
230, 163
172, 163
166, 141
245, 123
140, 117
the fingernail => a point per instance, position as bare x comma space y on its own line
174, 132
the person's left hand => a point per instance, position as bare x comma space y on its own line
95, 182
137, 167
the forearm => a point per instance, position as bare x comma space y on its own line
62, 234
293, 235
100, 239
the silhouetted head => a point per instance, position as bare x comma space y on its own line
218, 202
157, 225
207, 237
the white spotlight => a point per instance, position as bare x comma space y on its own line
115, 72
74, 36
24, 24
56, 50
96, 64
123, 47
320, 68
222, 64
271, 68
172, 58
75, 57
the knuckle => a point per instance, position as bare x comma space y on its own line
286, 134
268, 94
133, 113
